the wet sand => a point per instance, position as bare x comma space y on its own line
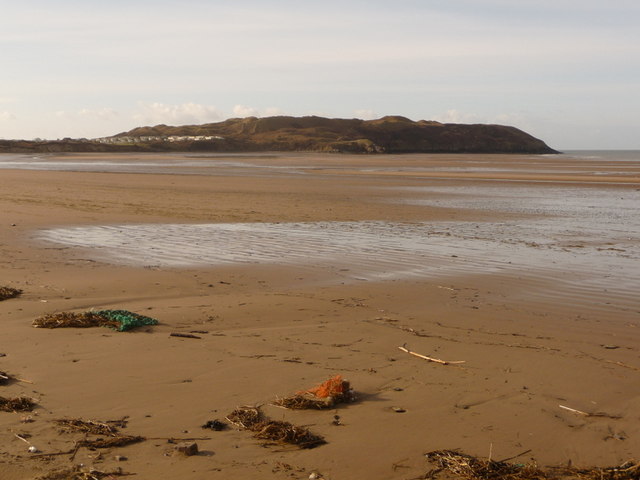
299, 267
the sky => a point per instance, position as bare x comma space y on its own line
565, 71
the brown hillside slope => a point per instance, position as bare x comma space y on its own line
391, 134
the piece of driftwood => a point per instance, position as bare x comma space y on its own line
20, 437
184, 335
252, 419
431, 359
53, 454
6, 378
586, 414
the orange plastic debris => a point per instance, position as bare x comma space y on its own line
333, 387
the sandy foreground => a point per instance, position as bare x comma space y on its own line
530, 342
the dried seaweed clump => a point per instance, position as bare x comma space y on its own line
19, 404
252, 419
73, 320
76, 473
8, 292
326, 395
473, 468
120, 320
108, 428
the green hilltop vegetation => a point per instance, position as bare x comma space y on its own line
391, 134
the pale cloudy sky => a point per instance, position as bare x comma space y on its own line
566, 71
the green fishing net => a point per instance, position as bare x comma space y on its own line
126, 320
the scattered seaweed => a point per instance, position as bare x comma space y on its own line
73, 320
285, 432
77, 473
245, 417
304, 402
7, 292
473, 468
326, 395
19, 404
121, 320
108, 428
252, 419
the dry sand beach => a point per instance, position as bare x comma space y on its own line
292, 268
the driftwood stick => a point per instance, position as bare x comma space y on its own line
573, 410
623, 365
22, 438
40, 455
514, 456
184, 335
75, 450
431, 359
190, 439
586, 414
6, 376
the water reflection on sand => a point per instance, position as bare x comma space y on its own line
585, 237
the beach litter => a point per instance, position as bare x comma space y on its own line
326, 395
252, 419
19, 404
8, 292
120, 320
474, 468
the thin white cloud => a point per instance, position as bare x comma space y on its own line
273, 111
100, 114
244, 111
185, 113
366, 114
456, 116
7, 116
